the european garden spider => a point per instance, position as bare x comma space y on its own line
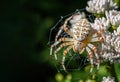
83, 35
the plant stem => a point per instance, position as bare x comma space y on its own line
112, 71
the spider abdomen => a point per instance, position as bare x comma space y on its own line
81, 29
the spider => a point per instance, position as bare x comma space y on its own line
82, 37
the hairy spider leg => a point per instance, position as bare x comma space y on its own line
64, 55
57, 42
90, 53
64, 27
61, 46
97, 37
98, 33
96, 54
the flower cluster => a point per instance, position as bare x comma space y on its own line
110, 48
101, 23
107, 17
100, 6
113, 16
77, 17
108, 79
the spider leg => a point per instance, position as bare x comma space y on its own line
61, 46
97, 39
59, 32
96, 54
57, 42
98, 33
64, 27
90, 53
64, 55
82, 50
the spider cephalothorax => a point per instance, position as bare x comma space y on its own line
82, 37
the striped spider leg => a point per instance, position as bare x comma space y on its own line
66, 42
92, 50
64, 27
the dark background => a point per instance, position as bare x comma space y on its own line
24, 33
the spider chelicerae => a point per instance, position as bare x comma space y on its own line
82, 36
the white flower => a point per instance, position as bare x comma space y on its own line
78, 16
111, 47
108, 79
113, 16
100, 23
100, 6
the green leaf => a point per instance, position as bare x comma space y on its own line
117, 71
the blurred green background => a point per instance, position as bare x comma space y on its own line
24, 33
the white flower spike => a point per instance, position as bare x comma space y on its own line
113, 16
100, 6
111, 47
108, 79
100, 23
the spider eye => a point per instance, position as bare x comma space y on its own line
78, 43
87, 34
